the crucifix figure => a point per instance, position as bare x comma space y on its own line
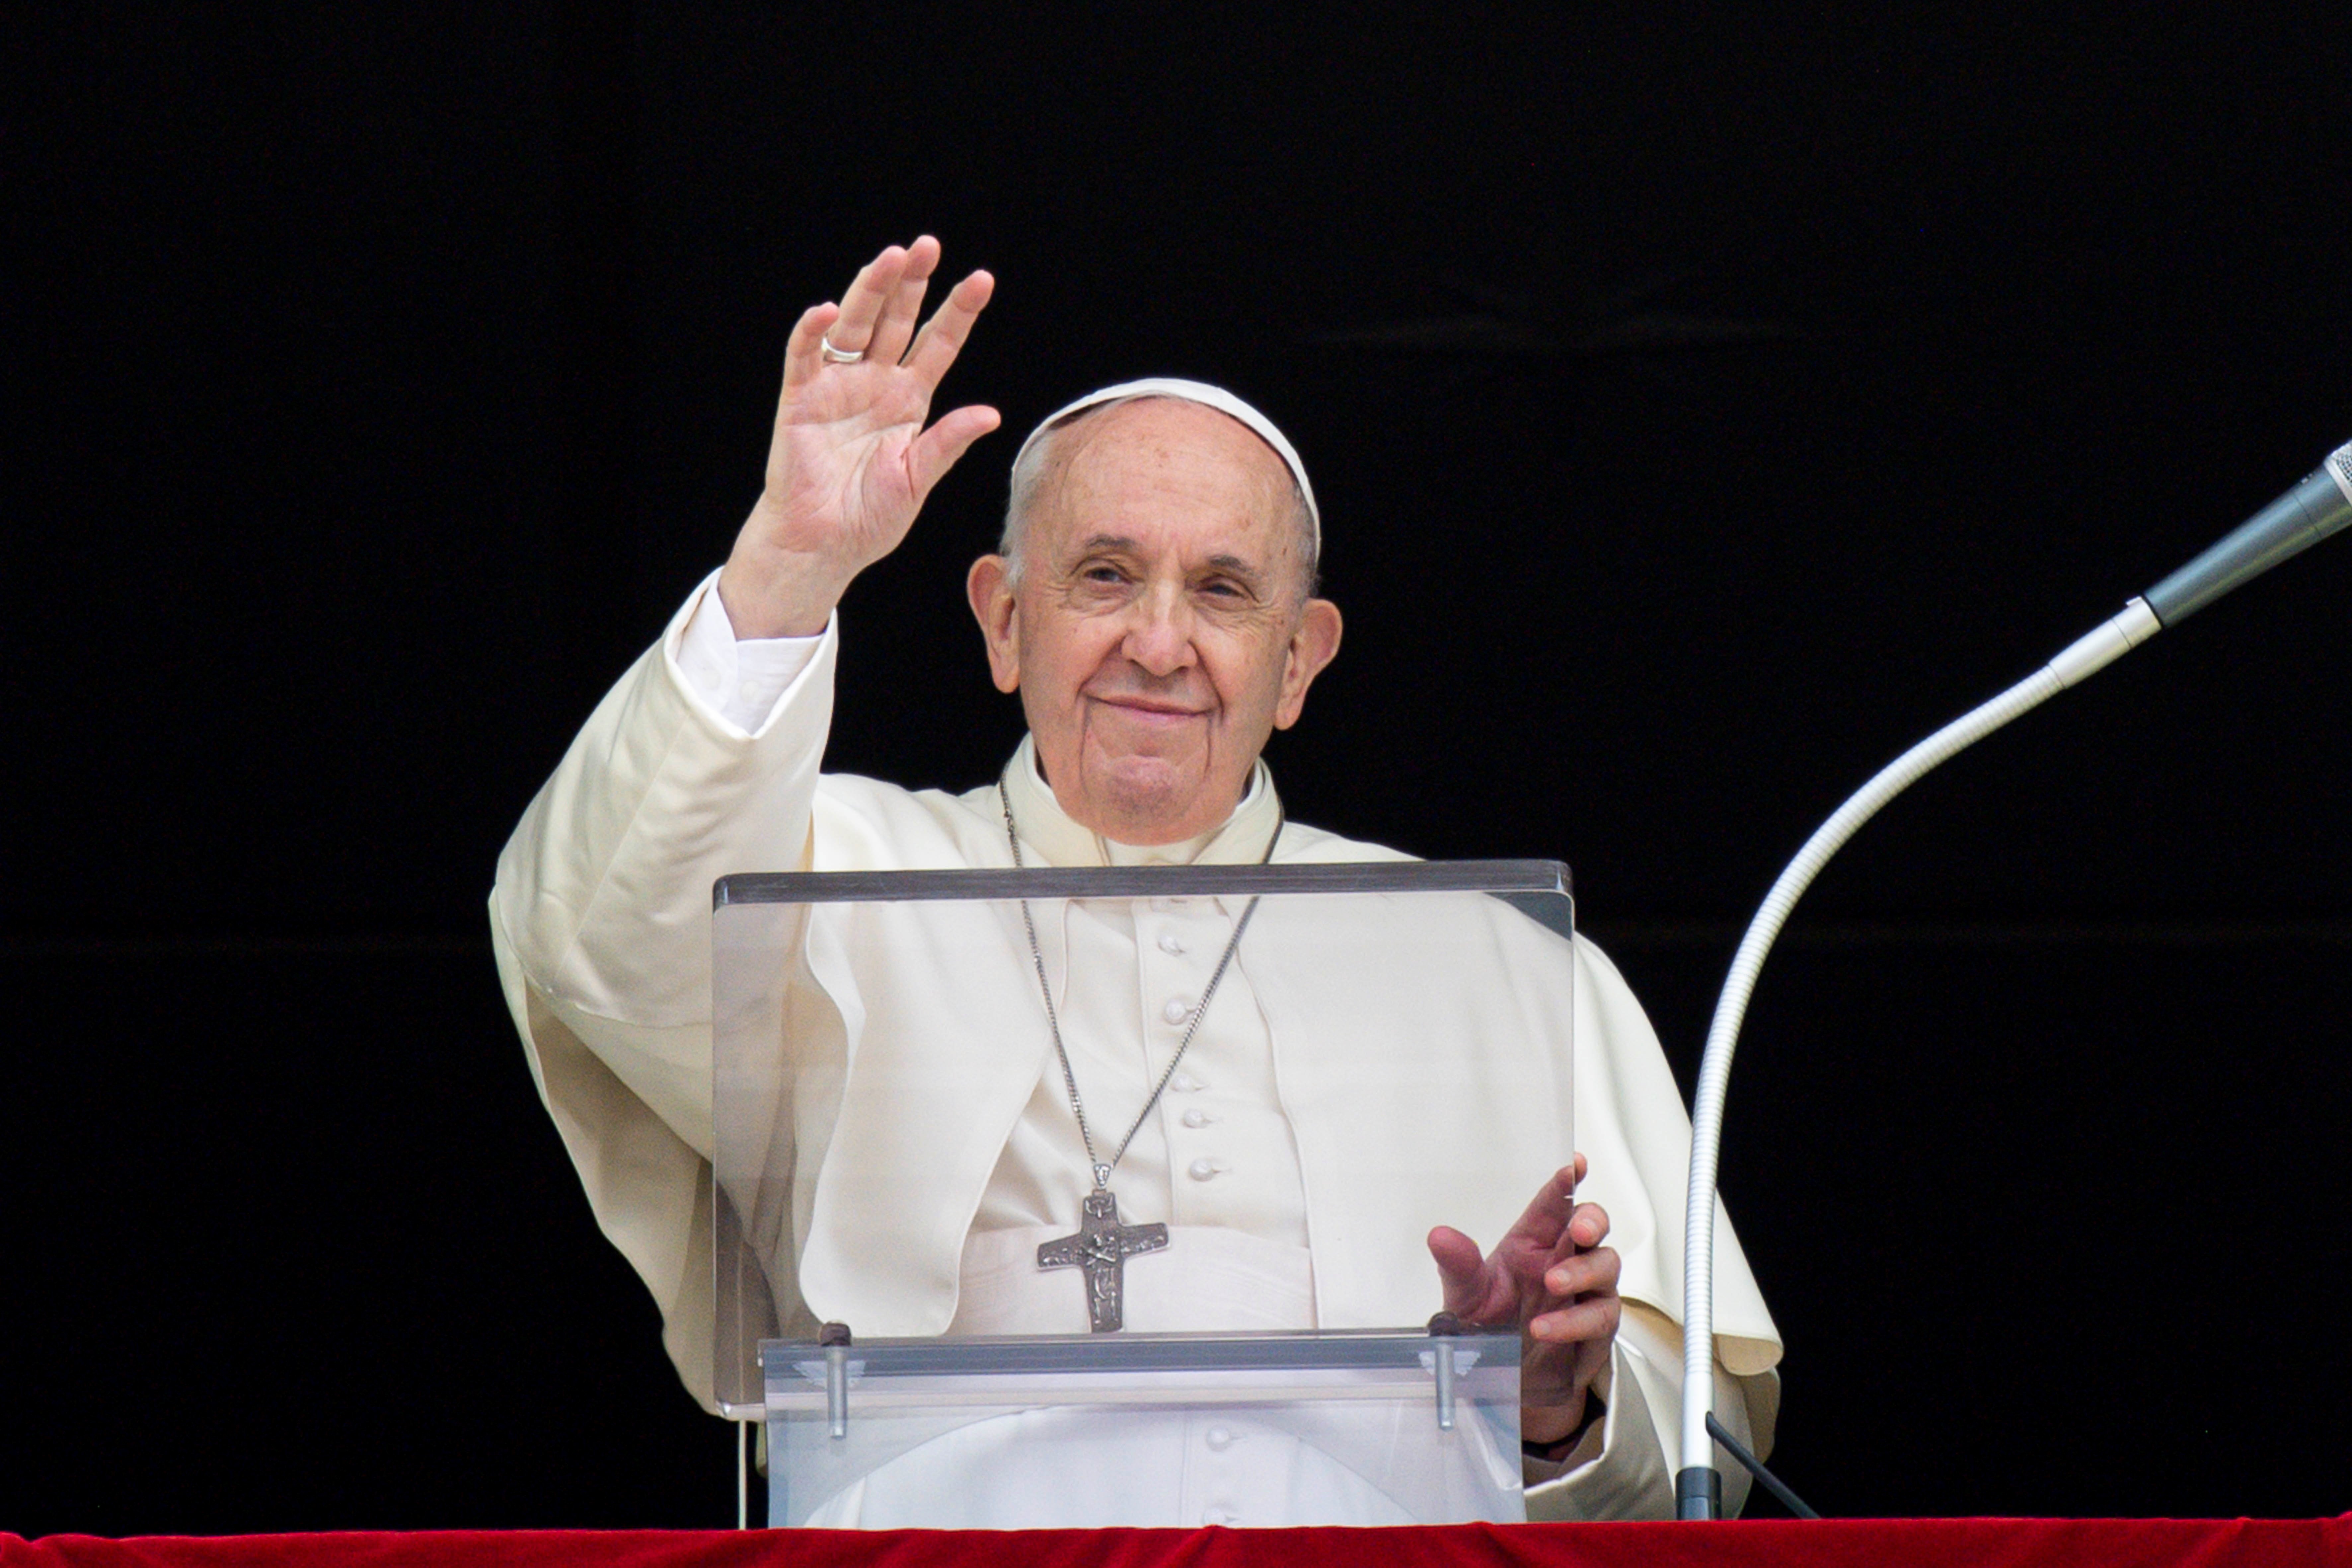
1102, 1247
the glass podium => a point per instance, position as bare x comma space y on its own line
1347, 1056
1147, 1430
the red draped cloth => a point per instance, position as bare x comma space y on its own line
1784, 1543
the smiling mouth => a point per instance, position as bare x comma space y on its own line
1143, 707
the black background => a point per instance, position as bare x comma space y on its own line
1771, 391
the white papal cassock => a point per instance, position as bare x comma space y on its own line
702, 762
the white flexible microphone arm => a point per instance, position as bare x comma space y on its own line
2321, 504
1698, 1487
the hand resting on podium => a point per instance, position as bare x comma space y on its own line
1549, 1275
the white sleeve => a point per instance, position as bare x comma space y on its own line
1624, 1466
737, 681
600, 924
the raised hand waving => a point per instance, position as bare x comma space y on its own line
851, 460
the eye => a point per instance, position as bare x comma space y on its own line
1102, 572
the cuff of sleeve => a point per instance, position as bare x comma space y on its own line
737, 685
1619, 1469
1590, 1443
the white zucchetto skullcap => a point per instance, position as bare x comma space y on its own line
1199, 392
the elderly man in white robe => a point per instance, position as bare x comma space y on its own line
1153, 605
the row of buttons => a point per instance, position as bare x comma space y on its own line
1219, 1438
1177, 1011
1199, 1170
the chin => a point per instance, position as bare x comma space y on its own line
1150, 795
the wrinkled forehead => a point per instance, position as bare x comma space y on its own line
1205, 395
1165, 481
1117, 453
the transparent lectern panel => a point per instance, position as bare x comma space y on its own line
1145, 1431
1373, 1050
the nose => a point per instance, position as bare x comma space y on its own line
1160, 633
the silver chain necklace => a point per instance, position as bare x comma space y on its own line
1102, 1245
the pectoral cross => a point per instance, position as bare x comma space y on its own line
1102, 1247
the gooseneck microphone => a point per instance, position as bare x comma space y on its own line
2319, 506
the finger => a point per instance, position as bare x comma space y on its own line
1593, 1358
935, 451
1587, 1223
905, 306
861, 307
1585, 1273
1587, 1228
803, 357
1547, 1215
1588, 1359
1465, 1282
1595, 1318
942, 337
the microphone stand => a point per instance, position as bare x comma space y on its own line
2318, 506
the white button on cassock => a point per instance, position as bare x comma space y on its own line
1217, 1516
1197, 1117
1185, 1083
1220, 1437
1175, 1010
1169, 944
1202, 1170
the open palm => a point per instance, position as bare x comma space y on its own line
851, 461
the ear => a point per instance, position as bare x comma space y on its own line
989, 586
1313, 644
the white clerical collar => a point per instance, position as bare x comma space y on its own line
1059, 840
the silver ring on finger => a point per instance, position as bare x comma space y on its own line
837, 356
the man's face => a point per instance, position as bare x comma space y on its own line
1158, 634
